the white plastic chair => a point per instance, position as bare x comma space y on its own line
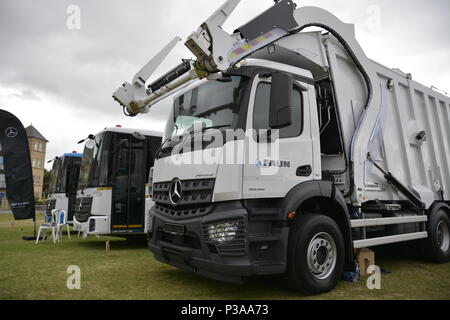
61, 221
51, 225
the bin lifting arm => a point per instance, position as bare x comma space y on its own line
129, 95
216, 50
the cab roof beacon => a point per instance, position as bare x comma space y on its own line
364, 150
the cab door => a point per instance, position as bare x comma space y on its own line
137, 181
284, 162
128, 194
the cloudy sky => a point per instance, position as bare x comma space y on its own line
62, 79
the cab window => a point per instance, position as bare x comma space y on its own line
262, 106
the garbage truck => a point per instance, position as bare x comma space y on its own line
112, 197
63, 184
361, 151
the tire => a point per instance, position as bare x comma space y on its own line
312, 271
437, 246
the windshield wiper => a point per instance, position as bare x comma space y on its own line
171, 143
90, 137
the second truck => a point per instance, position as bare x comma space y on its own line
63, 184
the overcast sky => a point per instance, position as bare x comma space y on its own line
62, 79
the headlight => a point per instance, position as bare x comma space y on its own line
222, 232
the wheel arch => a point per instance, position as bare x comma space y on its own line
438, 206
430, 246
322, 196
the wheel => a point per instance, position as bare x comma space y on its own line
437, 246
315, 254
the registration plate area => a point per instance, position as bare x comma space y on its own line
174, 229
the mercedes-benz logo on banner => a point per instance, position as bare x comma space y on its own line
175, 192
11, 132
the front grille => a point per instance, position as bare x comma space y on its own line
50, 205
193, 192
83, 208
235, 247
196, 198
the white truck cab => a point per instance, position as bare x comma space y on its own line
113, 194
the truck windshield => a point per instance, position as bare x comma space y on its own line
215, 104
94, 166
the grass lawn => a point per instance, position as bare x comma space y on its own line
130, 272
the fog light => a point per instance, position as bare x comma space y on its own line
91, 225
223, 232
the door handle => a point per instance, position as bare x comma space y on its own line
304, 171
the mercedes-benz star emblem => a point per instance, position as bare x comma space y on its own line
11, 132
175, 192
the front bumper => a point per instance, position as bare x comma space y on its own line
262, 250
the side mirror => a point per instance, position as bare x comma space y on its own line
90, 137
281, 103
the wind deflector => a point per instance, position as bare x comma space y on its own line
281, 15
18, 172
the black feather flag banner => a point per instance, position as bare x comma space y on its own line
17, 165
